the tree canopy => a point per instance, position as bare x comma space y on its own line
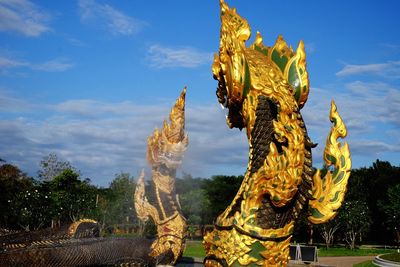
370, 213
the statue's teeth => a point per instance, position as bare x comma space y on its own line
222, 106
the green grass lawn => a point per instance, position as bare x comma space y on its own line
392, 257
340, 251
195, 249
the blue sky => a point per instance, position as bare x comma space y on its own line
89, 80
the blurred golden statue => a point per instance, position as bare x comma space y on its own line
165, 149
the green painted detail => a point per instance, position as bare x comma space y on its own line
297, 93
236, 264
256, 249
334, 174
339, 178
323, 172
276, 198
263, 50
279, 61
216, 238
301, 71
288, 127
251, 100
254, 233
321, 199
293, 79
315, 213
342, 161
331, 158
335, 198
246, 87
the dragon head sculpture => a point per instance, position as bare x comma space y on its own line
264, 89
232, 68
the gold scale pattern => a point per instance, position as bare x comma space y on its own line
279, 74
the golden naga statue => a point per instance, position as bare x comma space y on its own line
264, 89
165, 149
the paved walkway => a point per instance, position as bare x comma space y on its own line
344, 261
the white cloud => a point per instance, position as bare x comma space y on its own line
103, 138
361, 106
54, 65
10, 104
186, 57
373, 148
310, 48
389, 69
22, 16
6, 63
370, 112
116, 21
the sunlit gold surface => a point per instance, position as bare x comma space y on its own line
165, 149
279, 75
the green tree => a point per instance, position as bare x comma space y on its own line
220, 191
193, 200
358, 187
51, 166
391, 208
195, 205
303, 229
72, 198
35, 207
188, 183
117, 201
379, 178
355, 219
328, 231
13, 182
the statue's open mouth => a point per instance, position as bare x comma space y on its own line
222, 93
234, 118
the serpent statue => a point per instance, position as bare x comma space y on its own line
264, 89
165, 150
80, 245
